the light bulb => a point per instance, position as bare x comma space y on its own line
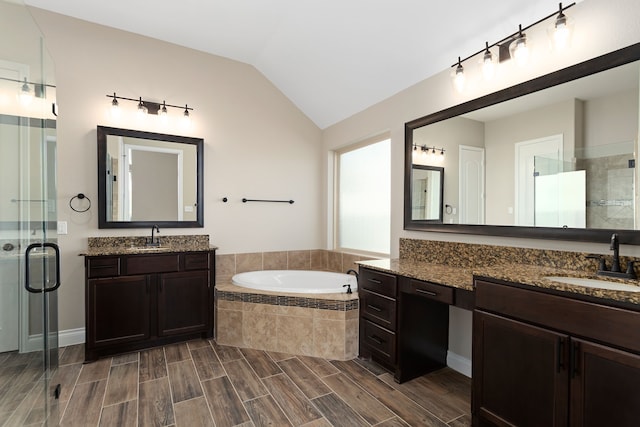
520, 50
459, 77
142, 110
163, 114
25, 96
115, 107
561, 30
488, 67
186, 118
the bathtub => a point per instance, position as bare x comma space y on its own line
296, 281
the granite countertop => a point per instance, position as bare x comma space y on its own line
102, 246
531, 275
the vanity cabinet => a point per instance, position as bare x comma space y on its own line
378, 317
142, 300
546, 359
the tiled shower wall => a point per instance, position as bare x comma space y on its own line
316, 259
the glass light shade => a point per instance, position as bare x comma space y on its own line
459, 78
488, 65
25, 96
560, 32
520, 51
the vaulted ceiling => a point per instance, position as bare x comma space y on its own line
332, 58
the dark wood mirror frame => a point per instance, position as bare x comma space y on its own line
102, 156
583, 69
440, 171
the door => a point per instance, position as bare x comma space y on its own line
471, 170
604, 386
519, 373
183, 303
29, 256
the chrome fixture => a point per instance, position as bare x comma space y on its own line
515, 46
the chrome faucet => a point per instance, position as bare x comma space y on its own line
156, 241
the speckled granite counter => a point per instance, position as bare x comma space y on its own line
101, 246
531, 275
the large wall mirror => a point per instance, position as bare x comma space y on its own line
552, 158
149, 178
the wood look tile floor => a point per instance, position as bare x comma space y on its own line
201, 383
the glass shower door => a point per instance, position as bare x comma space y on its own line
29, 256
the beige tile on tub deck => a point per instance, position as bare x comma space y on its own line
319, 259
334, 261
229, 328
275, 260
329, 339
259, 330
299, 260
295, 335
225, 267
248, 262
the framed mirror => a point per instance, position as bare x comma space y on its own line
427, 186
147, 178
551, 158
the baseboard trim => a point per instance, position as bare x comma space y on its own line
459, 363
71, 337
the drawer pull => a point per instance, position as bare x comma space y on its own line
431, 294
376, 281
376, 339
97, 267
373, 307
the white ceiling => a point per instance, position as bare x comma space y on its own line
331, 58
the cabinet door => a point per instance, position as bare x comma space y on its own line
183, 303
118, 310
605, 386
519, 373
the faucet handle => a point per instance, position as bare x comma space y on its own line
630, 270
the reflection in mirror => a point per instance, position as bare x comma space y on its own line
147, 178
426, 192
553, 158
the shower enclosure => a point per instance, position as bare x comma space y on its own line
29, 256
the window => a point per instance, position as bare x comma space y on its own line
363, 197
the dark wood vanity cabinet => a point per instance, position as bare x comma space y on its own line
377, 292
550, 360
142, 300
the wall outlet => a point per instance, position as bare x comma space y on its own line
62, 227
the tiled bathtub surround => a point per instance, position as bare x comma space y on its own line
319, 325
324, 325
317, 259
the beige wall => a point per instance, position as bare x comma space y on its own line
257, 143
601, 26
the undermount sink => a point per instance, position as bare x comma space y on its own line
595, 283
146, 248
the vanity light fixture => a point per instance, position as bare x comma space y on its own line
146, 108
458, 77
428, 154
487, 62
516, 46
561, 30
186, 118
25, 96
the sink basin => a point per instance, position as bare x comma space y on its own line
146, 248
595, 283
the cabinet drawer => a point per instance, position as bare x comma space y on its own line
429, 290
156, 263
103, 267
378, 308
196, 261
379, 340
375, 281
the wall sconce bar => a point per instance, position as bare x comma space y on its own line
504, 43
150, 106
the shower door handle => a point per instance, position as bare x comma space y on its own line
27, 277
